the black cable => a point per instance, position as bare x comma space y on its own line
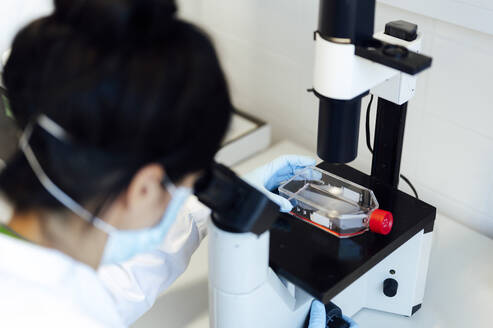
368, 138
406, 180
368, 144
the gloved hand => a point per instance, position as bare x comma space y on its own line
352, 323
318, 317
271, 175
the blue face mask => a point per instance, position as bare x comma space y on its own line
125, 244
122, 244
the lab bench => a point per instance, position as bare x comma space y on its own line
459, 290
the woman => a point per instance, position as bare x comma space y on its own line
122, 106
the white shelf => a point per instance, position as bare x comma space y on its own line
246, 137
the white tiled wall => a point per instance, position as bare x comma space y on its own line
267, 52
266, 49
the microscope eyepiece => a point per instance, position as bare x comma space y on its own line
236, 206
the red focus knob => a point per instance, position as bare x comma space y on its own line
381, 221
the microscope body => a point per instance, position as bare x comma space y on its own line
243, 290
269, 277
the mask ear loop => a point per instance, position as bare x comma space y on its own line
59, 133
169, 185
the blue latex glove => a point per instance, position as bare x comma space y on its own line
318, 317
271, 175
351, 322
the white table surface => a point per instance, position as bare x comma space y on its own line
459, 291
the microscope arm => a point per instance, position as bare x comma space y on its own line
349, 61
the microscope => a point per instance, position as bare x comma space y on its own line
266, 268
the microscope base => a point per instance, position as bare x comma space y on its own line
408, 264
351, 272
271, 279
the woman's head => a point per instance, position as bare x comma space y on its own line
140, 92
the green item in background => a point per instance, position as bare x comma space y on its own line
6, 104
4, 230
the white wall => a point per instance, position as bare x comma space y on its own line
266, 49
14, 14
473, 14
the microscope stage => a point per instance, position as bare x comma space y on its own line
325, 265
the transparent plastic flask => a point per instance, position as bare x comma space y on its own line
335, 205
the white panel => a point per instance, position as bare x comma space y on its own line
244, 147
404, 261
473, 14
264, 84
424, 262
14, 14
339, 74
271, 25
191, 10
457, 162
354, 297
242, 286
459, 291
401, 88
460, 86
239, 126
385, 13
463, 212
263, 308
6, 211
410, 265
244, 254
306, 124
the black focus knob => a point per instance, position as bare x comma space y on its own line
390, 287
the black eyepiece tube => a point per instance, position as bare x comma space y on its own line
347, 19
338, 129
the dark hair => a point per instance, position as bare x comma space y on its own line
129, 81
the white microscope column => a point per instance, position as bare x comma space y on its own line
243, 291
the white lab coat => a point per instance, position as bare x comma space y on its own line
135, 285
43, 287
